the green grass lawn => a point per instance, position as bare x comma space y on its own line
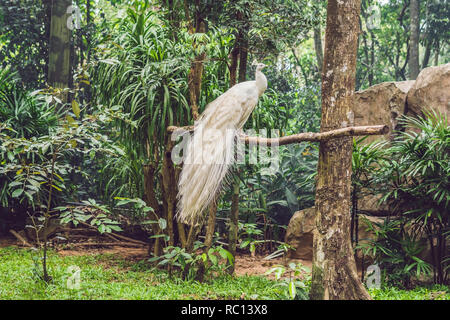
107, 276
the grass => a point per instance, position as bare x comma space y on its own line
108, 277
435, 292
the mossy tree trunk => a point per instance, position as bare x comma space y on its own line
334, 269
59, 52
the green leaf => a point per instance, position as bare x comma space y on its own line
16, 193
115, 228
102, 228
55, 187
10, 156
212, 258
162, 223
76, 108
292, 290
15, 183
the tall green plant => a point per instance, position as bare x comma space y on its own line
417, 182
143, 73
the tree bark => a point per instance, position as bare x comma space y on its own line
59, 51
414, 40
334, 273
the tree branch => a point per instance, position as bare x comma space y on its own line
317, 137
308, 136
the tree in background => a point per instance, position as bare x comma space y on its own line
414, 7
59, 73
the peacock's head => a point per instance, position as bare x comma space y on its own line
259, 66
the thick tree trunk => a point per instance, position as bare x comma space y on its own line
59, 51
414, 40
334, 273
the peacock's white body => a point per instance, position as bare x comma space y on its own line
210, 152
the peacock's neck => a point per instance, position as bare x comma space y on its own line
261, 82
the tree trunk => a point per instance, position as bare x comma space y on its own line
151, 201
414, 40
234, 220
169, 190
59, 51
436, 53
234, 214
195, 25
334, 273
210, 225
196, 71
318, 48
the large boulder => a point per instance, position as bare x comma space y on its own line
430, 90
381, 104
299, 233
370, 204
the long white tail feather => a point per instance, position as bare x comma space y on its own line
206, 165
210, 151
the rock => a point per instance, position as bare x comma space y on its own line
299, 233
381, 104
430, 90
370, 204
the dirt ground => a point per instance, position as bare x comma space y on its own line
245, 263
